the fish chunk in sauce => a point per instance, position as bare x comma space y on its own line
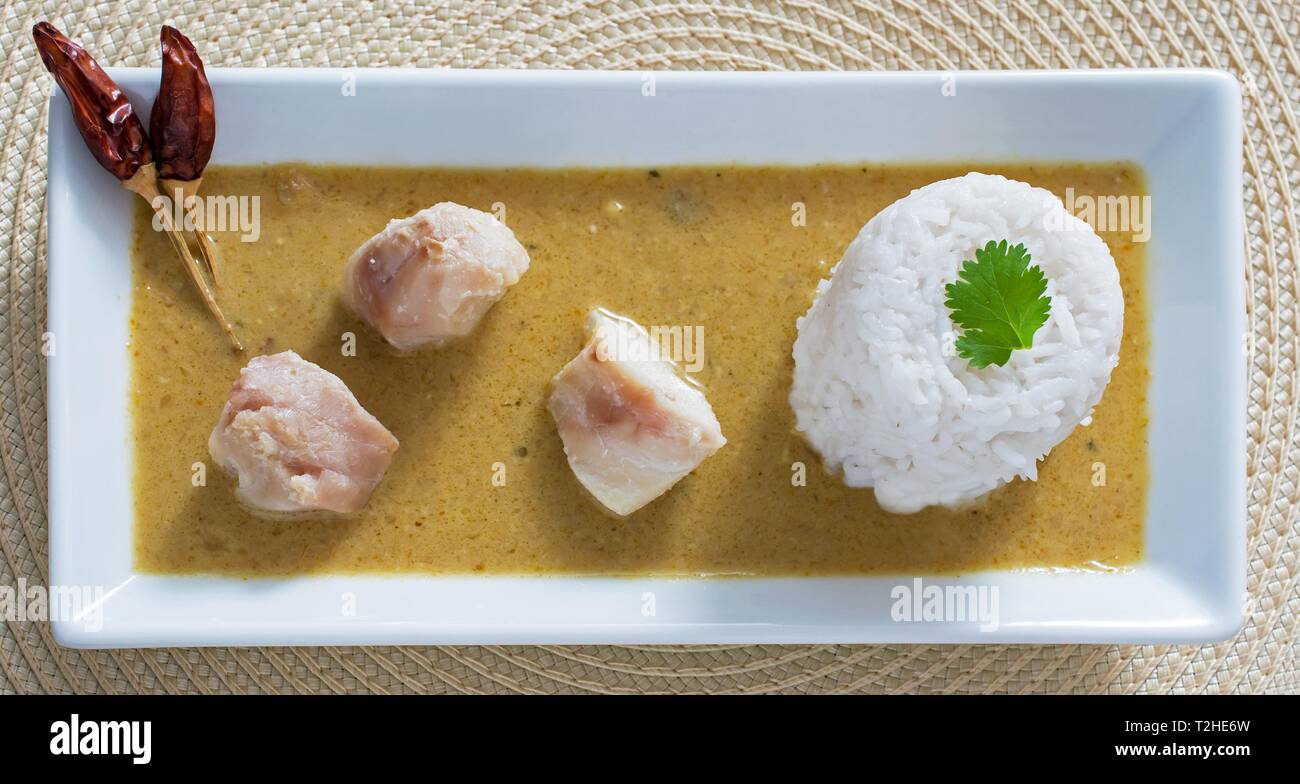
298, 440
430, 278
631, 426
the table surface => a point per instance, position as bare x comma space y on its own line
1254, 39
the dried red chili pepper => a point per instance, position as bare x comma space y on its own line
116, 137
183, 125
108, 124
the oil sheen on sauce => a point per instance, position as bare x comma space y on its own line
480, 482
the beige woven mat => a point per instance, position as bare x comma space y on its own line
1256, 39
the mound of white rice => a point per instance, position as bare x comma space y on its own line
879, 390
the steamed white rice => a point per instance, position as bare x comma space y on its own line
879, 390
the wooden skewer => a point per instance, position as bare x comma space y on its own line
184, 190
145, 183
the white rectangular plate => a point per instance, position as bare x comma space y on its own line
1182, 127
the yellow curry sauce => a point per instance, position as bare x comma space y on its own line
717, 247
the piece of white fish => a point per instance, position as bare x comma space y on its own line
431, 277
631, 426
298, 440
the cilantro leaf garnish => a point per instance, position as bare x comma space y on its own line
998, 301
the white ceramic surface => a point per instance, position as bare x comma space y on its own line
1182, 127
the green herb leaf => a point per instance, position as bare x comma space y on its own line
998, 301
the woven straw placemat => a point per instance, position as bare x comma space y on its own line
1255, 39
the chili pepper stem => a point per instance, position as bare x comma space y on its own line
184, 190
145, 183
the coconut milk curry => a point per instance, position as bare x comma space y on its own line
480, 483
